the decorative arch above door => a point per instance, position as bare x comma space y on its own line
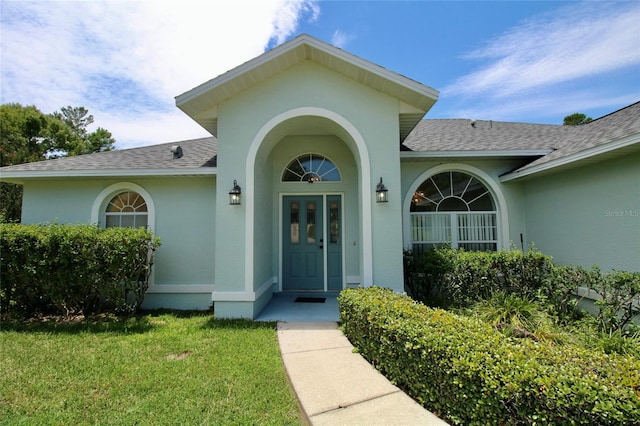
311, 168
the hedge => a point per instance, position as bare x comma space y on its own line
454, 278
73, 269
458, 278
468, 373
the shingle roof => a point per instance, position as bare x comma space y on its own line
609, 128
480, 135
451, 135
197, 153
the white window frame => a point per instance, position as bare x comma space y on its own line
98, 211
502, 222
421, 235
311, 172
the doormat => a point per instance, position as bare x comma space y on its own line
310, 300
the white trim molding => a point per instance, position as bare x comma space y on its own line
365, 184
475, 154
52, 174
100, 203
180, 288
491, 184
243, 296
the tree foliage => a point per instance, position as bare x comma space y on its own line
28, 135
77, 119
575, 119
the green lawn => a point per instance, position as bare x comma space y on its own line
153, 369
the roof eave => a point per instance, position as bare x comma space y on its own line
20, 176
200, 103
620, 146
474, 154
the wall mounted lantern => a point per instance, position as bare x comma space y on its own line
381, 193
234, 194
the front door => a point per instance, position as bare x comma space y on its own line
304, 249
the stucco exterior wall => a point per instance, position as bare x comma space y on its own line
183, 275
588, 215
308, 97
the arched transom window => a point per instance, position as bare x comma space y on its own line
311, 168
127, 209
453, 208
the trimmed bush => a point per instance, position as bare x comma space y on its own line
468, 373
73, 269
450, 278
457, 278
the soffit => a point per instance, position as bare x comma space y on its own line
201, 102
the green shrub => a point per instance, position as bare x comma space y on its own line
561, 289
468, 373
73, 269
514, 315
620, 342
451, 278
619, 301
457, 278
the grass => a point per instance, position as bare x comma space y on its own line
152, 370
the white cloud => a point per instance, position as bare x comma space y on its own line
125, 61
572, 43
341, 39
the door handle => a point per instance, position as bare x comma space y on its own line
321, 246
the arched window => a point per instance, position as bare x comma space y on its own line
126, 209
453, 208
311, 168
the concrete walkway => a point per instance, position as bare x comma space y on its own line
336, 386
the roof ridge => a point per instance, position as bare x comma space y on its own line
611, 113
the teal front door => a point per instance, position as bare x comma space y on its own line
303, 248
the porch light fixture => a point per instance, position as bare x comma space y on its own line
381, 193
234, 194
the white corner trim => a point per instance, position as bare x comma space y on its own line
104, 197
492, 185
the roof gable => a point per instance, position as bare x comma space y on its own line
201, 102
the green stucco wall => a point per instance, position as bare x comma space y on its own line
248, 128
184, 221
588, 215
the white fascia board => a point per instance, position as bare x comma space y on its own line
34, 174
234, 72
377, 70
315, 44
578, 156
475, 154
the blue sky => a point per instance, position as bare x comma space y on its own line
506, 61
